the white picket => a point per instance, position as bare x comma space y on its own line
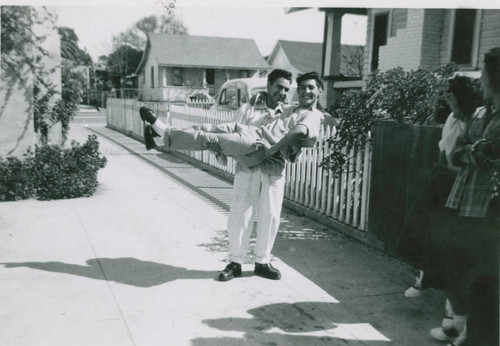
349, 186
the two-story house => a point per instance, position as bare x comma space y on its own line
413, 37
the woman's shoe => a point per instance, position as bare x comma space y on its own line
417, 289
442, 334
461, 340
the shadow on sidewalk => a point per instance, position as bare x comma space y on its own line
128, 271
302, 323
219, 243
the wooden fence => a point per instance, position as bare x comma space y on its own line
343, 199
404, 158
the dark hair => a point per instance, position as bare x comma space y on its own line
279, 73
492, 67
467, 92
311, 75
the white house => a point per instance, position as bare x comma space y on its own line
174, 67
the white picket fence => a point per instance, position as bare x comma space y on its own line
343, 198
205, 104
123, 114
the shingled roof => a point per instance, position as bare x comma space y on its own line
204, 51
307, 56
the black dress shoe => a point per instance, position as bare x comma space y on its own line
147, 115
231, 271
267, 271
149, 134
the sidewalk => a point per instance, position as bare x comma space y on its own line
135, 265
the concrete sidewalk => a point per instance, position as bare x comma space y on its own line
135, 265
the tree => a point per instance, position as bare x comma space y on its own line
354, 61
124, 61
70, 49
136, 36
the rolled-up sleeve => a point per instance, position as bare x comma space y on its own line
312, 121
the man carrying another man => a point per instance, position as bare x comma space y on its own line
261, 140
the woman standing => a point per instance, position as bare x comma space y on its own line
414, 240
469, 262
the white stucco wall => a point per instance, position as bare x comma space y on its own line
16, 101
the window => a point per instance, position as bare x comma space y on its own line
242, 97
463, 50
244, 74
229, 98
380, 27
210, 72
178, 76
152, 76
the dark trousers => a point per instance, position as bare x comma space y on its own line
469, 269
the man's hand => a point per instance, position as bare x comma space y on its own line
263, 145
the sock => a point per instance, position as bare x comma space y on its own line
160, 127
448, 309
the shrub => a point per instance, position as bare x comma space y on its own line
52, 172
398, 95
15, 180
199, 97
67, 173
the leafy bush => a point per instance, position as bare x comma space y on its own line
15, 179
398, 95
52, 172
199, 97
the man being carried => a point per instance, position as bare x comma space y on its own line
293, 129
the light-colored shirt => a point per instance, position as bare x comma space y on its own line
273, 125
254, 116
292, 117
453, 127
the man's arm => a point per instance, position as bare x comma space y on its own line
308, 127
298, 133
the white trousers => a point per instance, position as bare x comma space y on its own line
252, 188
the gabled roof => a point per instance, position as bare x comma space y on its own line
304, 56
308, 56
204, 51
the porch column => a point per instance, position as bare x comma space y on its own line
331, 48
204, 78
227, 75
164, 76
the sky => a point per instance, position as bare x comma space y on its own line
264, 21
95, 26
